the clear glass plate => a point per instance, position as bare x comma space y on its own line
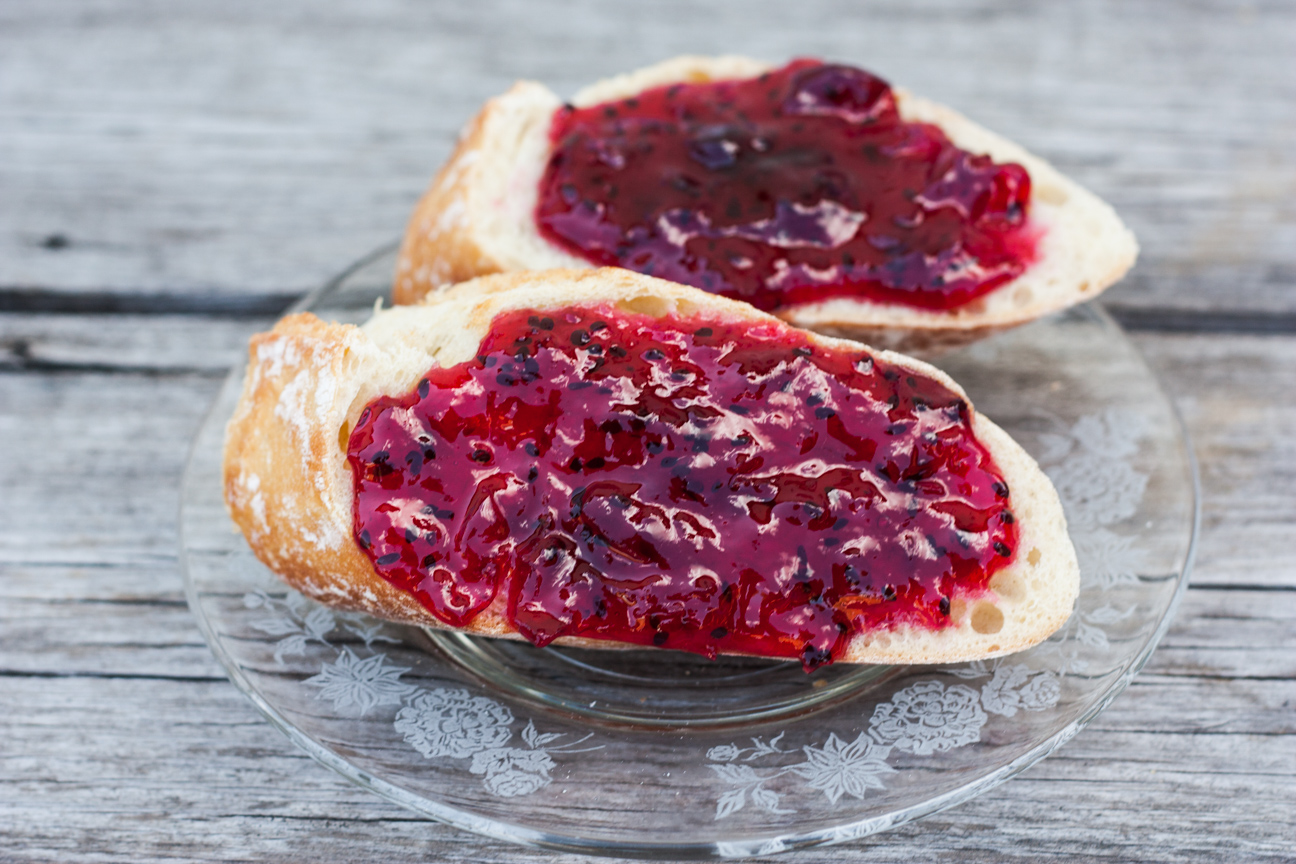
665, 755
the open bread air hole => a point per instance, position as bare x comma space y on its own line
654, 307
582, 413
1007, 586
986, 618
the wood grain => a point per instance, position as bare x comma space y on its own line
245, 148
123, 741
171, 175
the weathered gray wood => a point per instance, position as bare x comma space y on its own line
1236, 396
1229, 388
120, 740
93, 463
199, 776
245, 147
221, 157
1219, 635
125, 343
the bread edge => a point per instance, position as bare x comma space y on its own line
476, 219
289, 489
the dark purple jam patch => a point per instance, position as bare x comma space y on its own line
797, 186
692, 484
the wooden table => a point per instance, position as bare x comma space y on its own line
170, 176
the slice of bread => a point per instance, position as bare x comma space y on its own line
289, 487
478, 218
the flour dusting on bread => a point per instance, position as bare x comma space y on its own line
289, 487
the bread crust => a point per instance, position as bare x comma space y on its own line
478, 218
289, 488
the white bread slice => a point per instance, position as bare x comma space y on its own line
289, 488
477, 218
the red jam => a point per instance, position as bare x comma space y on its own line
691, 484
797, 186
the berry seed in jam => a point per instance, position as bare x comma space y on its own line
693, 484
797, 186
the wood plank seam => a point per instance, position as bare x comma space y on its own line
210, 305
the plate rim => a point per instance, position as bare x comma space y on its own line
715, 849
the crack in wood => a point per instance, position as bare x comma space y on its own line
54, 367
1240, 586
48, 368
113, 676
1165, 320
242, 306
289, 817
147, 602
205, 304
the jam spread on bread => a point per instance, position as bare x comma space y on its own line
688, 483
797, 186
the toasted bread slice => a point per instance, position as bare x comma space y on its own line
290, 489
477, 218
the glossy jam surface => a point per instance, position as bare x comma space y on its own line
689, 484
794, 187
